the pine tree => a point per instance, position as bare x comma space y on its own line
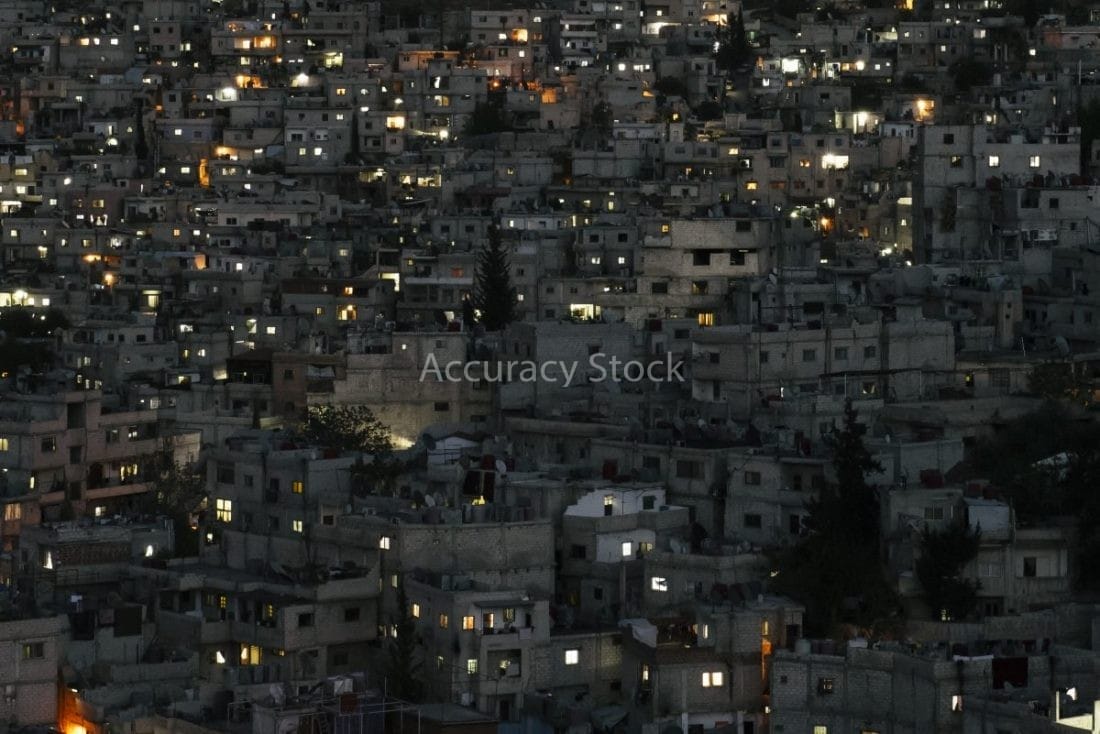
851, 506
837, 564
403, 664
494, 295
943, 555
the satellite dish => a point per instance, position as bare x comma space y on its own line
501, 467
1061, 345
429, 500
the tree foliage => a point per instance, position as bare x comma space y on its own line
1059, 381
835, 570
671, 86
969, 73
345, 427
943, 555
733, 44
487, 118
1012, 460
1088, 117
25, 338
178, 492
494, 294
403, 659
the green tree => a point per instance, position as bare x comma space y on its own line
1088, 117
178, 492
403, 660
709, 110
601, 118
487, 118
671, 86
27, 340
943, 555
1059, 381
969, 73
345, 427
733, 43
835, 570
494, 294
141, 147
850, 507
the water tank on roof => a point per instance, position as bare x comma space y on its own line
802, 647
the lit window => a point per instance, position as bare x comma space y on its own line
3, 444
471, 666
628, 549
572, 657
296, 526
1034, 161
468, 623
444, 621
223, 510
384, 542
713, 679
297, 486
658, 583
416, 610
994, 161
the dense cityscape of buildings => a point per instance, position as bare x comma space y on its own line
525, 368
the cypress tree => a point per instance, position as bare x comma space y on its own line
494, 295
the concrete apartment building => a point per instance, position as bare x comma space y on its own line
31, 649
76, 447
838, 689
956, 162
604, 539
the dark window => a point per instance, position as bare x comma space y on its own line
578, 551
351, 614
689, 469
305, 619
1029, 566
648, 502
660, 288
752, 478
824, 686
753, 520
